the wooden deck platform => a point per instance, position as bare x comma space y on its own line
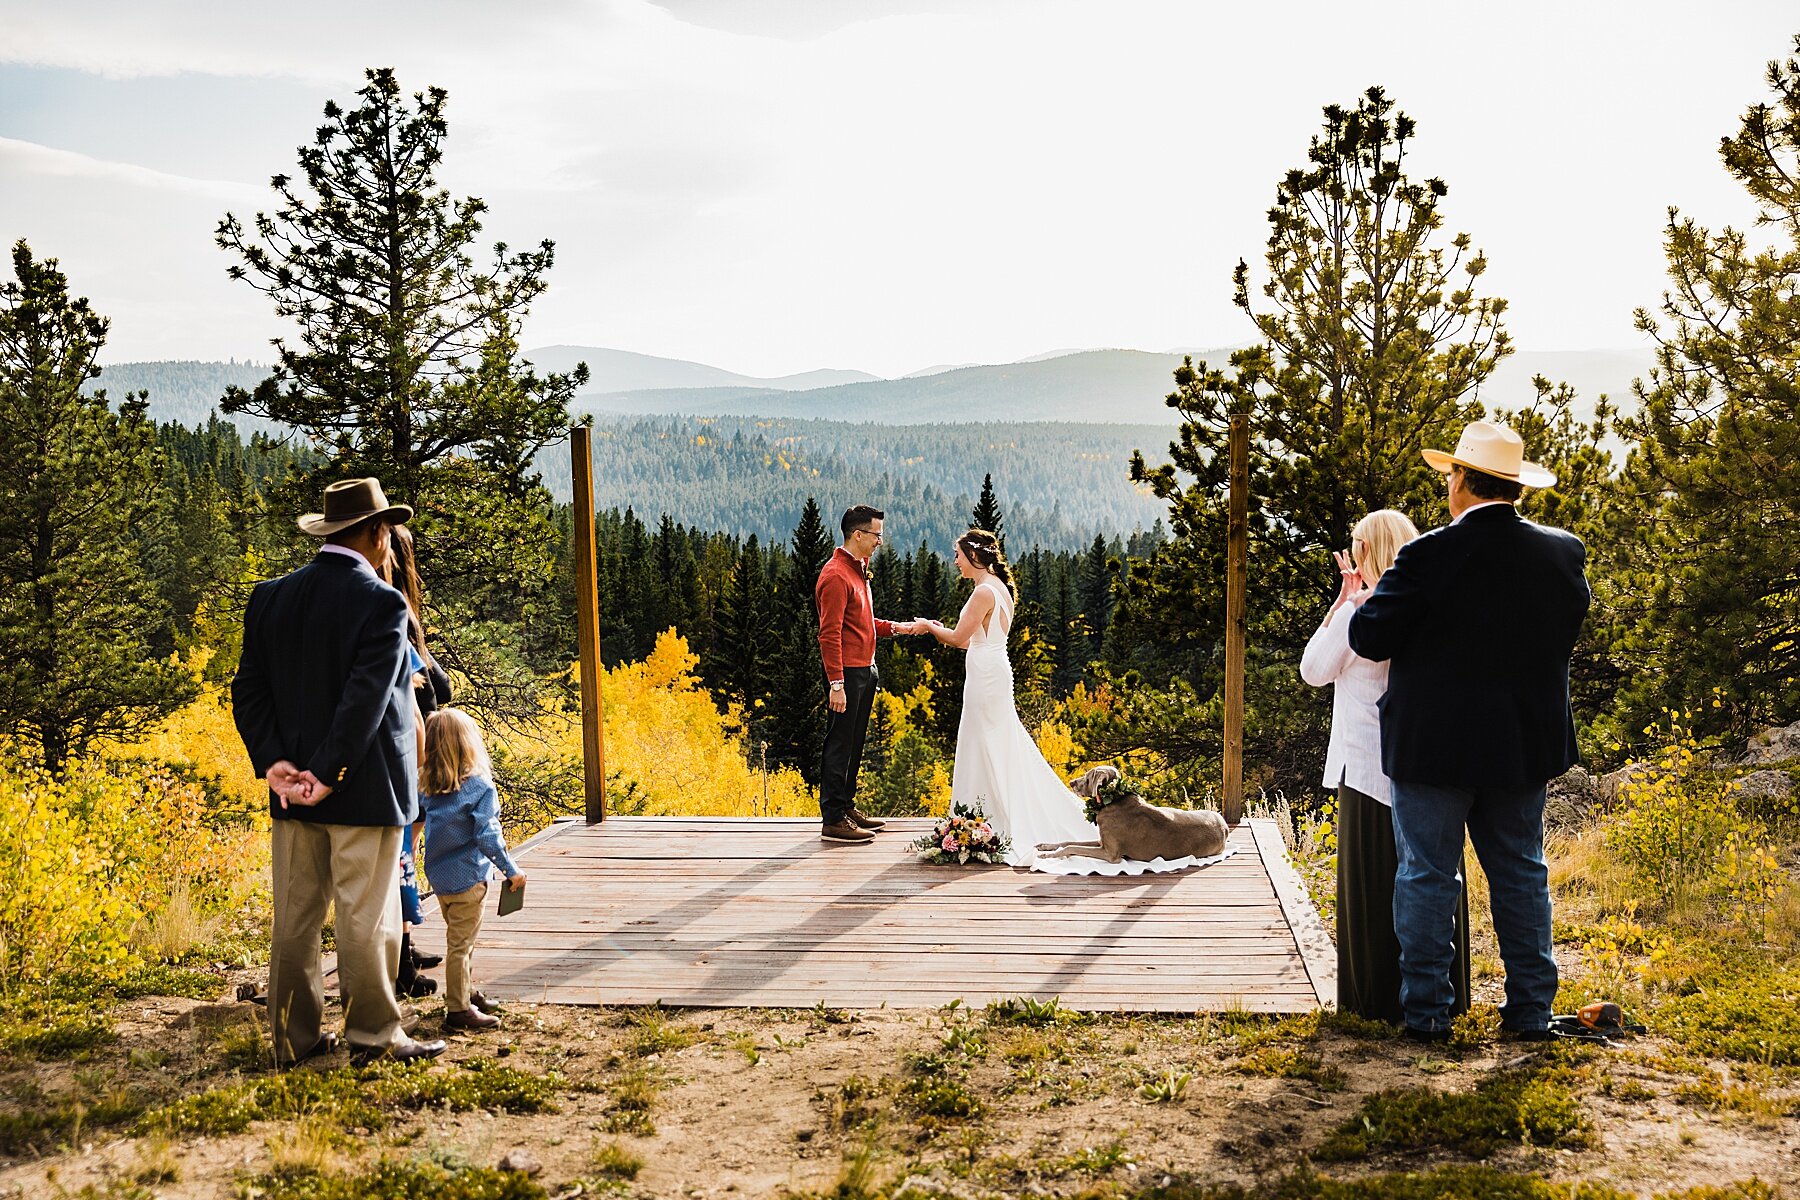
714, 912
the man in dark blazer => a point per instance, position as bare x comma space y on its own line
323, 700
1477, 621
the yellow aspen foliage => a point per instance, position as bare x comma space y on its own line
664, 733
1056, 743
202, 737
95, 856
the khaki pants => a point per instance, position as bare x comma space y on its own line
357, 868
462, 921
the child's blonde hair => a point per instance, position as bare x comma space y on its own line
454, 751
1382, 533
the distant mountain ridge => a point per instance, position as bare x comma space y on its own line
627, 371
1114, 386
1108, 386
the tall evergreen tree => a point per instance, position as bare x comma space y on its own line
1707, 581
746, 643
797, 703
987, 511
77, 612
405, 364
1096, 593
1373, 342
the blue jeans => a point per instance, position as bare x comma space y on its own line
1507, 830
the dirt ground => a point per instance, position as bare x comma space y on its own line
767, 1103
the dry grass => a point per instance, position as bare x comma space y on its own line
306, 1146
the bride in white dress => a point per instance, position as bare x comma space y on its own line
999, 769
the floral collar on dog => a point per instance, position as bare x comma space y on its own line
1106, 793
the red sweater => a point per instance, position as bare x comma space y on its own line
847, 624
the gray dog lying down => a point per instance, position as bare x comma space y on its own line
1132, 829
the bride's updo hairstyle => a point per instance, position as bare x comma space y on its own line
983, 549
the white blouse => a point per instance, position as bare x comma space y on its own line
1354, 756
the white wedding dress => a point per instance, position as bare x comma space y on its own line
1000, 771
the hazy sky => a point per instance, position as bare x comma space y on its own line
772, 186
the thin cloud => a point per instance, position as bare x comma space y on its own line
23, 161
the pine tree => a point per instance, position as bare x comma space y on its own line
797, 703
1096, 594
987, 511
1705, 584
77, 611
745, 645
1373, 341
405, 363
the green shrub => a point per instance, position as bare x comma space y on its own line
1750, 1019
937, 1096
353, 1096
1511, 1108
1024, 1010
391, 1180
57, 1035
1444, 1183
49, 1123
1287, 1062
613, 1161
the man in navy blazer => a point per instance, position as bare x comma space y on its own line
323, 699
1477, 621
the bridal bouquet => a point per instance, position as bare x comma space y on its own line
961, 836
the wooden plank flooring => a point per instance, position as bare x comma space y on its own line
715, 912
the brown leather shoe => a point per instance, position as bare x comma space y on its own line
863, 820
471, 1019
845, 831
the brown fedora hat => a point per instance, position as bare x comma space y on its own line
351, 501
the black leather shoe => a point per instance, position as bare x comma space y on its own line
425, 962
327, 1043
1427, 1035
406, 1051
1507, 1033
863, 820
421, 985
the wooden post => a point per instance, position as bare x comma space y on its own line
587, 609
1237, 572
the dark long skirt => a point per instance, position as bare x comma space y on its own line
1368, 951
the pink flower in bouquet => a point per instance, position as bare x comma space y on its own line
949, 841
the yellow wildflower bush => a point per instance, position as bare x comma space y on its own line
94, 857
665, 735
1689, 837
202, 737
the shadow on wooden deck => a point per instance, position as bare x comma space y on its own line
736, 912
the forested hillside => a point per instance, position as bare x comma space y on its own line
1060, 483
185, 392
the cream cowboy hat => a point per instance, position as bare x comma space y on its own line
1492, 450
351, 501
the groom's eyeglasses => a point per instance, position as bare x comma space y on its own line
874, 533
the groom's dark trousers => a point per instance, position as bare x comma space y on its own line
845, 734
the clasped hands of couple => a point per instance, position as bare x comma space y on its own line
835, 700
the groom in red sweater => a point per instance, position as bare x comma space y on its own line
848, 628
